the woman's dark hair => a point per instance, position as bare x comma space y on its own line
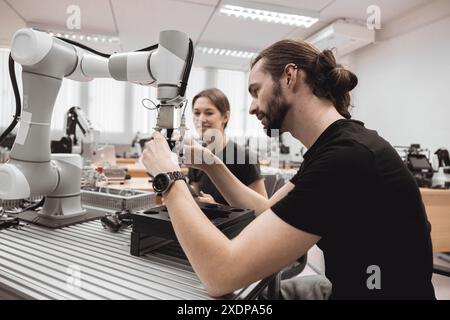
218, 99
324, 76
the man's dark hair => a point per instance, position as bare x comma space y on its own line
324, 76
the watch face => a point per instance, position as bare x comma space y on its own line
161, 182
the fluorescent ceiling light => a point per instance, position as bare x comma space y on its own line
269, 13
83, 36
242, 54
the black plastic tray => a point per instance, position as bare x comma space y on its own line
155, 222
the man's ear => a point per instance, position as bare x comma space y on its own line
291, 75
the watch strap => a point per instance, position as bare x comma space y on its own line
176, 175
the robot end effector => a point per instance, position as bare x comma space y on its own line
168, 69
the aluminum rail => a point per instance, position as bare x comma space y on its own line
85, 261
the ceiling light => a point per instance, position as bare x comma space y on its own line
111, 39
269, 13
226, 52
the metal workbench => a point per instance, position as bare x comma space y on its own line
86, 261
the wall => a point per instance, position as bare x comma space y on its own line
404, 85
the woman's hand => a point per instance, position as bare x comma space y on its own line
157, 156
205, 197
198, 157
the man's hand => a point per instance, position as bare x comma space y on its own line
157, 156
198, 157
205, 197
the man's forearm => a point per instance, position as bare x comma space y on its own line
234, 191
207, 248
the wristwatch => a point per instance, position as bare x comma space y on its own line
163, 181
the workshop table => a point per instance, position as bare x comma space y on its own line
437, 206
85, 261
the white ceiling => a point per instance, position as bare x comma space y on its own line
138, 22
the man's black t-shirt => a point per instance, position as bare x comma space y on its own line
240, 162
355, 192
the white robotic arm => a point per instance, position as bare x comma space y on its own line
46, 60
165, 69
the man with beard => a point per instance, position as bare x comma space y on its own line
352, 196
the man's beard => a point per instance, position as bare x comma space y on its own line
277, 108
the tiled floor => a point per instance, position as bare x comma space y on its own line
441, 283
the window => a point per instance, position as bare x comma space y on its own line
197, 83
68, 96
253, 126
233, 84
144, 120
107, 105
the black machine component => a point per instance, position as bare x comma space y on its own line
75, 117
6, 222
61, 146
284, 149
142, 142
443, 157
420, 166
8, 141
155, 222
73, 120
170, 141
441, 179
117, 221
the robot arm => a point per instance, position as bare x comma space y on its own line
45, 61
164, 67
76, 117
70, 143
167, 68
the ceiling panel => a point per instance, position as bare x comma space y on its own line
223, 62
9, 23
356, 9
242, 33
304, 33
140, 21
205, 2
315, 5
96, 16
254, 34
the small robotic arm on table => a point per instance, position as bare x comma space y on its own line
70, 143
32, 169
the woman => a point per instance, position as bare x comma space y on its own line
211, 113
